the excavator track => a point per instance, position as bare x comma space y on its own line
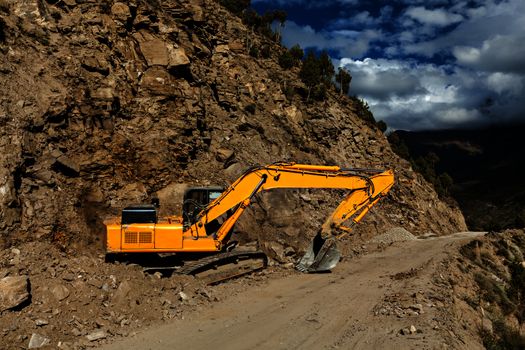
224, 266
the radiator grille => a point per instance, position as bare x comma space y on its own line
144, 237
130, 237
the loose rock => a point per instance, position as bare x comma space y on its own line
38, 341
120, 11
40, 322
122, 292
97, 335
13, 291
155, 52
183, 296
177, 58
404, 331
417, 307
60, 292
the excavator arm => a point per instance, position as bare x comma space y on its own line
366, 187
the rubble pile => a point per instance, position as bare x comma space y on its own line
396, 234
48, 297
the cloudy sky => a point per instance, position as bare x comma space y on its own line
421, 64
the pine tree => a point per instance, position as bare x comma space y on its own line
310, 73
326, 66
286, 60
382, 126
343, 79
236, 6
280, 16
251, 19
296, 52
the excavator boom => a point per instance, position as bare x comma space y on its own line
366, 187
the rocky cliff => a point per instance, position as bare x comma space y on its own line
106, 103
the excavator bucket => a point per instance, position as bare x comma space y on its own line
321, 255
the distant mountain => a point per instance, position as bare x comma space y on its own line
486, 166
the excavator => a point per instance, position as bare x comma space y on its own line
210, 213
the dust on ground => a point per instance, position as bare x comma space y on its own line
56, 300
397, 298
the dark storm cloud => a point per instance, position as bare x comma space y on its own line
421, 96
363, 18
345, 42
498, 54
481, 23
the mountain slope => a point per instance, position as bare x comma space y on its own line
105, 103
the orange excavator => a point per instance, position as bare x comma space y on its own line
210, 213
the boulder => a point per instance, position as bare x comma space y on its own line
121, 295
64, 164
96, 63
277, 251
41, 322
133, 193
120, 12
171, 198
155, 52
177, 57
197, 13
236, 46
486, 325
94, 195
13, 291
294, 114
158, 81
224, 154
222, 49
183, 296
104, 94
233, 171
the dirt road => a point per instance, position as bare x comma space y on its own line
363, 304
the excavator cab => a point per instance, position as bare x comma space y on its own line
195, 200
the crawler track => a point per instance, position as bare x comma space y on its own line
220, 267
